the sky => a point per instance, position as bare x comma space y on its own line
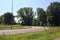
5, 5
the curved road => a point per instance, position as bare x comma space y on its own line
17, 31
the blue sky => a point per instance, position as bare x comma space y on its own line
5, 5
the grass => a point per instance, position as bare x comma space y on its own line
9, 26
40, 35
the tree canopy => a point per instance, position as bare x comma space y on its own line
53, 13
26, 14
41, 16
8, 18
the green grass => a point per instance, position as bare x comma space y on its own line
40, 35
9, 26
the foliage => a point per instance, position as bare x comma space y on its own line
8, 18
35, 22
51, 17
53, 13
2, 19
41, 16
26, 14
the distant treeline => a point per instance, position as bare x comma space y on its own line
27, 17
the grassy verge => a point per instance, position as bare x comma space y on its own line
40, 35
9, 26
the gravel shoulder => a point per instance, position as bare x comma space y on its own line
17, 31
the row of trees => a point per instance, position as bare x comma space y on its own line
49, 17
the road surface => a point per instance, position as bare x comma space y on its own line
17, 31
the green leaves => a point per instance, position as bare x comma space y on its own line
53, 13
8, 18
41, 16
26, 14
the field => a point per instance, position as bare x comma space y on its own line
9, 26
50, 34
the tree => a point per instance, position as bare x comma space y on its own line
53, 13
8, 18
2, 19
26, 14
35, 22
41, 16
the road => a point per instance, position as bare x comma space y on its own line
17, 31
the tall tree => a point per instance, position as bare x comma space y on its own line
53, 12
8, 18
41, 16
26, 14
